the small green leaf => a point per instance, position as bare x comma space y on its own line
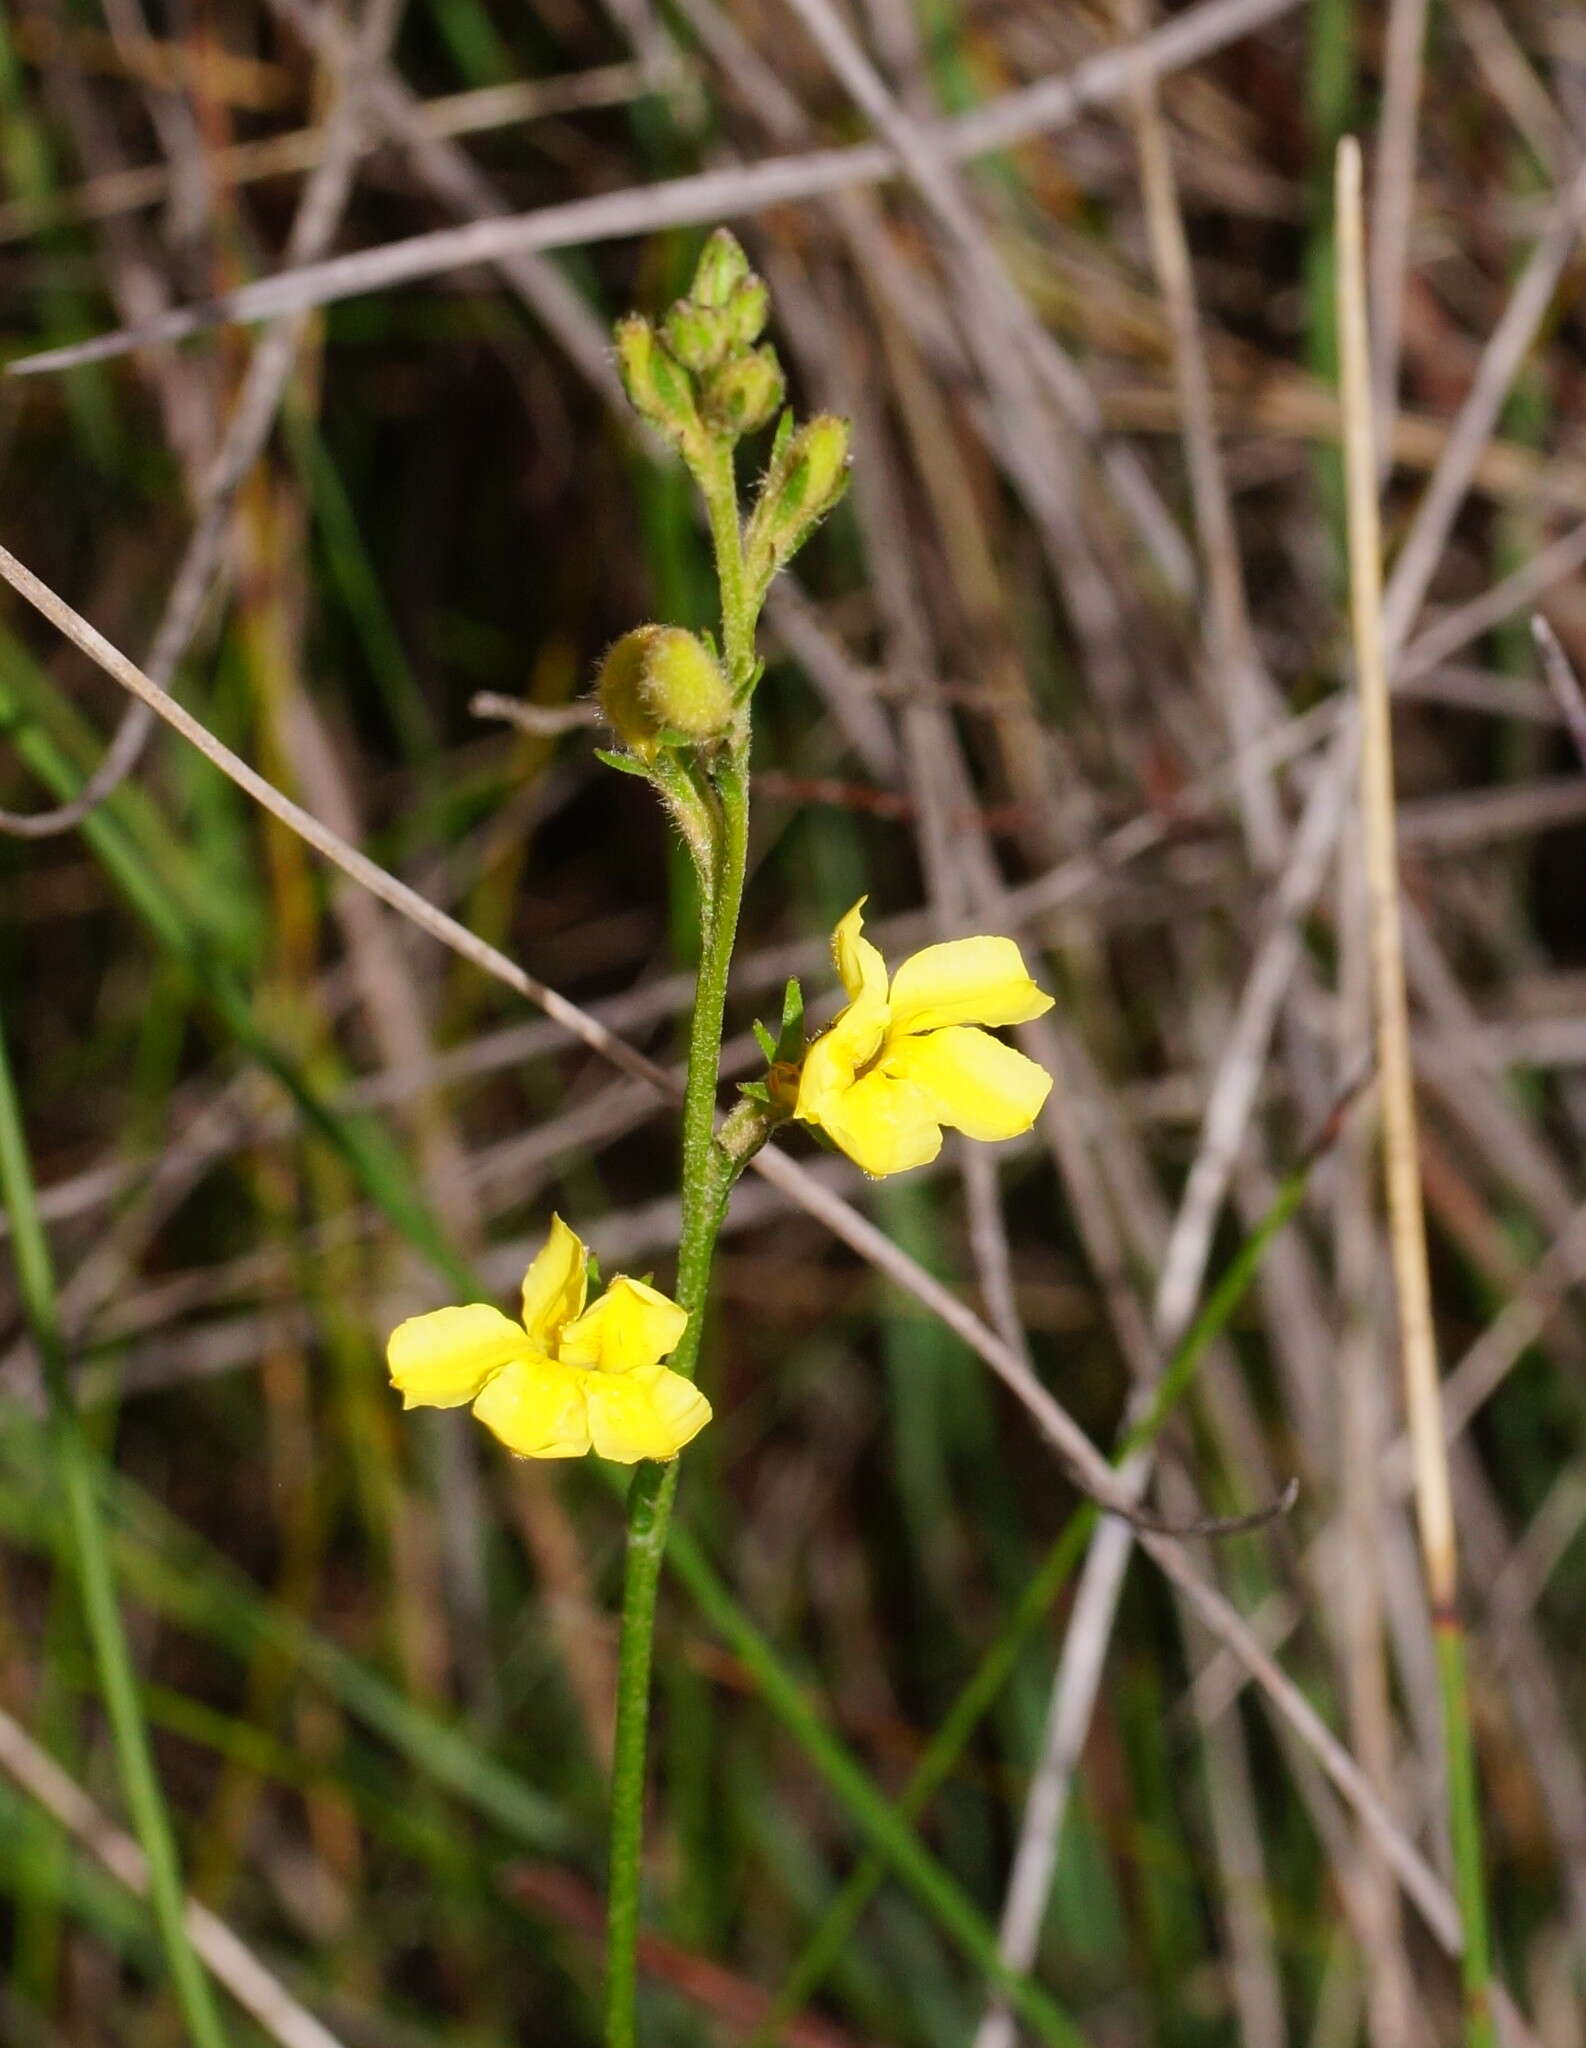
765, 1041
625, 764
790, 1038
756, 1091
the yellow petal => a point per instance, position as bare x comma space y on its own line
859, 963
647, 1413
832, 1062
972, 1081
555, 1285
537, 1408
443, 1359
964, 981
884, 1123
630, 1326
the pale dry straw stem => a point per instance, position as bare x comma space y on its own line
1401, 1152
810, 1193
1052, 104
1401, 1160
1237, 675
1393, 204
1360, 1424
256, 1989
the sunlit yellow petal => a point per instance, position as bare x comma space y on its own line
972, 1081
883, 1123
647, 1413
555, 1285
536, 1406
964, 981
629, 1327
443, 1359
859, 963
832, 1062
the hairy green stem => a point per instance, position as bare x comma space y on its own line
74, 1468
706, 1182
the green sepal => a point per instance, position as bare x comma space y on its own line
625, 764
789, 1047
765, 1041
756, 1091
749, 685
784, 434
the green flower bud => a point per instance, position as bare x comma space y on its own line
621, 693
748, 310
743, 394
681, 684
658, 387
721, 269
697, 335
808, 476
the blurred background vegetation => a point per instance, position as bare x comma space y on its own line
376, 1655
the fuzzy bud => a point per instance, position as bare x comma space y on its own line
744, 392
698, 336
621, 693
809, 474
748, 310
722, 267
657, 386
681, 684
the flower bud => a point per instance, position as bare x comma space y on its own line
743, 394
698, 336
681, 684
722, 267
748, 310
808, 476
620, 689
658, 387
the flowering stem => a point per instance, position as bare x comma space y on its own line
74, 1472
706, 1183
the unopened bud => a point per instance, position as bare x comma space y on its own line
721, 268
681, 684
748, 310
657, 386
807, 479
697, 335
622, 700
743, 394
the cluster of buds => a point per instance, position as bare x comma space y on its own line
706, 375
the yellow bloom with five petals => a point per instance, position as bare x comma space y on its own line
567, 1379
907, 1057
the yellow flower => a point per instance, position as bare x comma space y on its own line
898, 1063
566, 1379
